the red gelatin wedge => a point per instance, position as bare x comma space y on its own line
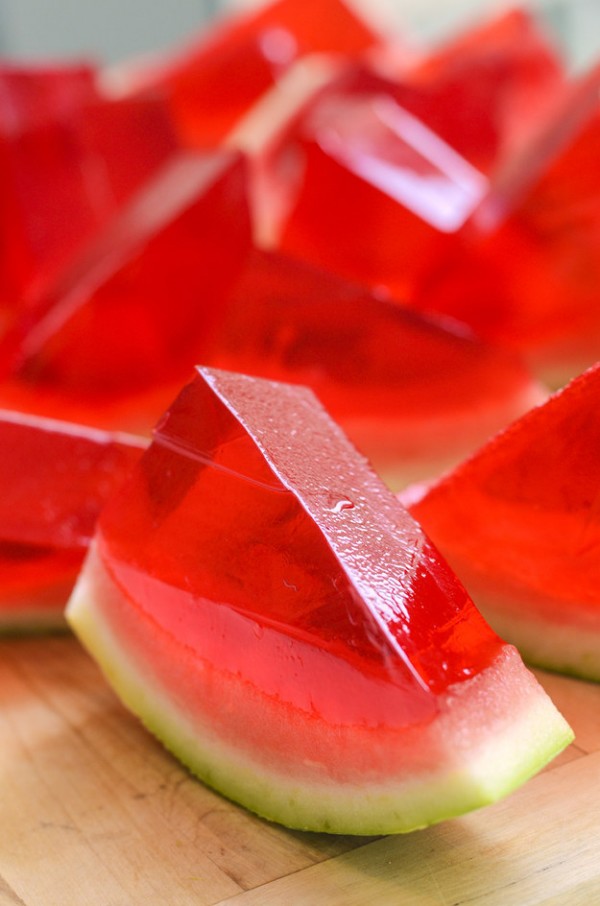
520, 524
272, 613
413, 395
133, 310
54, 480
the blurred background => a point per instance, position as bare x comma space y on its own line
112, 30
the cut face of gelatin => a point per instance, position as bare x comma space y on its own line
272, 613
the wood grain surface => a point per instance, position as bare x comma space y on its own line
93, 812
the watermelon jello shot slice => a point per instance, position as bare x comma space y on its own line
520, 523
269, 610
54, 480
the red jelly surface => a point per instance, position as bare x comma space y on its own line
525, 509
134, 309
54, 480
379, 189
32, 95
35, 583
213, 82
485, 91
65, 177
384, 373
253, 530
533, 251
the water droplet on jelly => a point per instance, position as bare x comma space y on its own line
343, 504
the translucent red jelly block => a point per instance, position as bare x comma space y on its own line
485, 91
211, 83
412, 394
525, 273
251, 512
54, 480
135, 308
520, 523
124, 142
62, 180
33, 95
378, 191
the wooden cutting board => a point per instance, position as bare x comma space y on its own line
93, 812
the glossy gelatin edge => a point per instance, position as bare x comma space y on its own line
486, 735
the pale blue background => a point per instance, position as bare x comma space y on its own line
115, 29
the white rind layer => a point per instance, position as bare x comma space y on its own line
492, 733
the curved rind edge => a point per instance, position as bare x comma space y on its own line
375, 808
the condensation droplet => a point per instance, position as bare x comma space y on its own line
341, 505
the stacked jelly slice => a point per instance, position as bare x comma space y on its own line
266, 606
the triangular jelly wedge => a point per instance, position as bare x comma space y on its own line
411, 393
272, 613
131, 312
520, 524
54, 480
213, 82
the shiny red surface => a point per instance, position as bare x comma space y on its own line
364, 355
253, 531
213, 82
485, 91
379, 190
135, 308
526, 508
64, 177
35, 583
533, 251
32, 95
54, 480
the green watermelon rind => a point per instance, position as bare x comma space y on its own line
534, 735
